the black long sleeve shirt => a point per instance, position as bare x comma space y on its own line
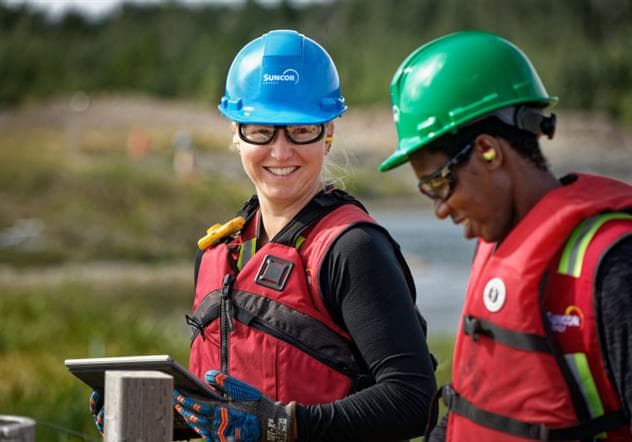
364, 288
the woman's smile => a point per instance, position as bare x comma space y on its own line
281, 171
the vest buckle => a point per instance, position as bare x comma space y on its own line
541, 432
448, 395
471, 326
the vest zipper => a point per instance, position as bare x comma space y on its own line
226, 321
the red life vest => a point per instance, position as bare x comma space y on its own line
527, 365
260, 315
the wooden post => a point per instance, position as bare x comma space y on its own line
138, 406
17, 429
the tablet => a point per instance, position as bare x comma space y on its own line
92, 372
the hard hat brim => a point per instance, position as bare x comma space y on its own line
280, 116
395, 160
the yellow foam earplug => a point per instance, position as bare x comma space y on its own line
489, 154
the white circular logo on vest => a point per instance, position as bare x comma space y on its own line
494, 295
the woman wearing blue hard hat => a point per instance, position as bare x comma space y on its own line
304, 314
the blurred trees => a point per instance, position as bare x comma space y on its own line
582, 48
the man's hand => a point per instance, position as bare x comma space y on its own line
248, 416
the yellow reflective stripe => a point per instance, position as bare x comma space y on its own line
575, 249
578, 364
570, 246
246, 251
249, 248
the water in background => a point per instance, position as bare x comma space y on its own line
439, 258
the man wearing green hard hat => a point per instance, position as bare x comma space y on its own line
543, 350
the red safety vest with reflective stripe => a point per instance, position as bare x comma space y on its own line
280, 337
527, 363
569, 309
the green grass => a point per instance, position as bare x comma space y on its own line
42, 326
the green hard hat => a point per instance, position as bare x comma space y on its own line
454, 80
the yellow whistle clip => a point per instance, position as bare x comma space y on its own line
219, 231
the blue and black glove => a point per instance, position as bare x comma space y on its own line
248, 416
96, 409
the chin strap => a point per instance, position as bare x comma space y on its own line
531, 119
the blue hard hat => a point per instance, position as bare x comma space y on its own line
280, 78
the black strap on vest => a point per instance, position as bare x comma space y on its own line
284, 323
583, 431
433, 412
249, 208
322, 204
474, 327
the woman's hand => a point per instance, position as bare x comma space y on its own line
248, 416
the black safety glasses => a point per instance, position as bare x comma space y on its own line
267, 133
441, 183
